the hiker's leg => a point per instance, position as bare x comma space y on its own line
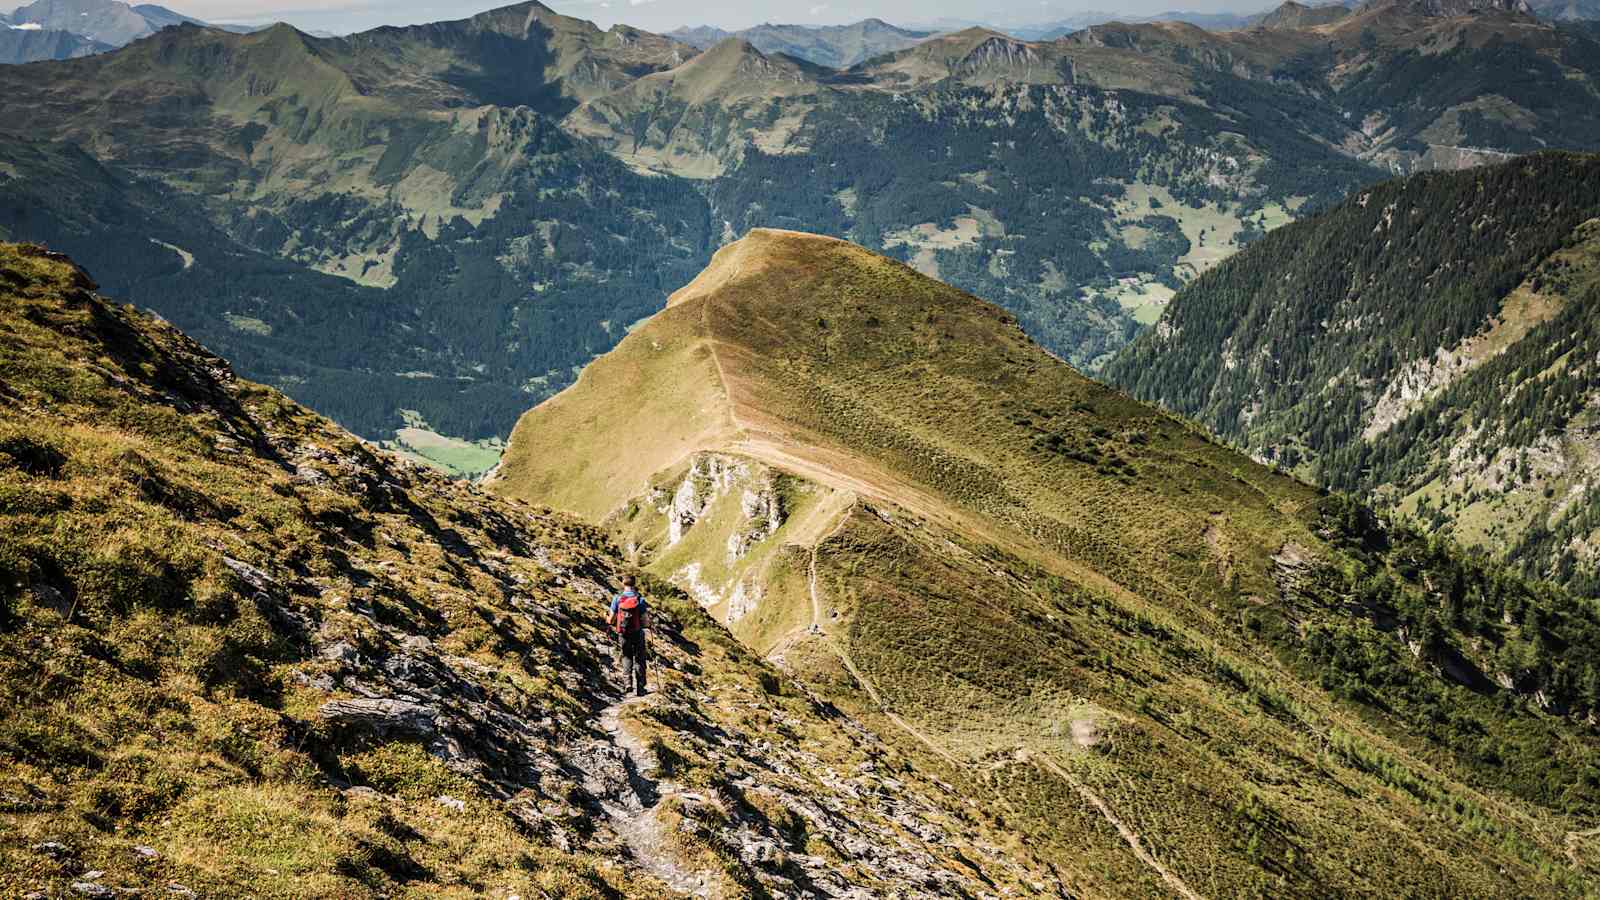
627, 669
638, 654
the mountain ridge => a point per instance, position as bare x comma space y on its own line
406, 676
835, 46
836, 440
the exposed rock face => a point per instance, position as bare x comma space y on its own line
763, 514
744, 600
1000, 52
710, 476
717, 478
385, 715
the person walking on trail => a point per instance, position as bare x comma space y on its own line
629, 618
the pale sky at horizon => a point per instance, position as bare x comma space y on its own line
664, 15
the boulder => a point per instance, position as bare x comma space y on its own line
382, 715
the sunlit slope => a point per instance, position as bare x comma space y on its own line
638, 410
860, 373
243, 654
1174, 670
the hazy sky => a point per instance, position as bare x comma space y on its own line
664, 15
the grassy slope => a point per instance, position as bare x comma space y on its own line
192, 565
1040, 565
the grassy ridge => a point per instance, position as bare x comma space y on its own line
1067, 591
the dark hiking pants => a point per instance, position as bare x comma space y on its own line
631, 656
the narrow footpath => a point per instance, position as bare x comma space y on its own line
633, 815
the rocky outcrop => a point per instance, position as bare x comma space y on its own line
710, 476
388, 716
743, 600
763, 513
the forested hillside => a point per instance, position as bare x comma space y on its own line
1430, 342
333, 346
1015, 206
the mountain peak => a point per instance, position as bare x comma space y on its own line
1299, 15
749, 256
518, 20
108, 21
978, 33
772, 295
734, 67
732, 45
976, 45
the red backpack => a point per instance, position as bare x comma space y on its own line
630, 613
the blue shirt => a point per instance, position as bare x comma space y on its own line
617, 601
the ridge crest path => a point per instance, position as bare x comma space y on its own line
1129, 836
857, 674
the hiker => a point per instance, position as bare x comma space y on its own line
629, 617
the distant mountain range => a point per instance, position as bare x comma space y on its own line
29, 42
836, 46
501, 197
1567, 10
1223, 21
1325, 11
81, 27
64, 29
105, 21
